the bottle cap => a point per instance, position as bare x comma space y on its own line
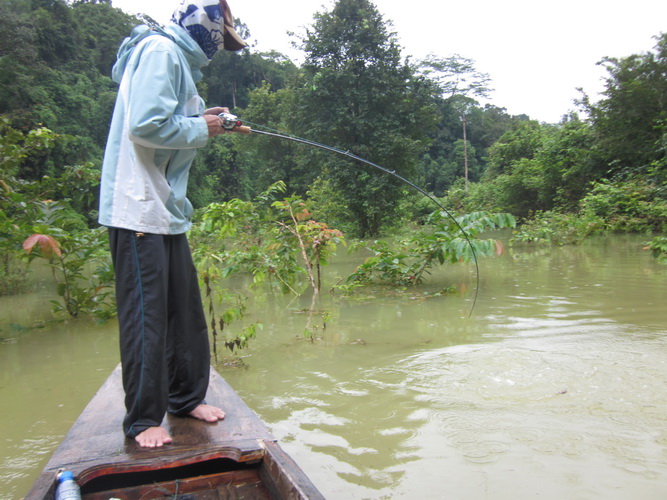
65, 475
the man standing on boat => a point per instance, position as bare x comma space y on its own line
158, 123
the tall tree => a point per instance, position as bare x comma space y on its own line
459, 83
358, 94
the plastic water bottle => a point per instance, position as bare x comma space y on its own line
67, 487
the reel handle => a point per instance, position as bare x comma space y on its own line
241, 129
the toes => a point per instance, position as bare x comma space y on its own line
153, 437
208, 413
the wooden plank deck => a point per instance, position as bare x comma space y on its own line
219, 455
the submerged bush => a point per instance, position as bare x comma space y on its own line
443, 240
555, 228
629, 206
633, 205
659, 248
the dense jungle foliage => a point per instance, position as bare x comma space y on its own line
602, 169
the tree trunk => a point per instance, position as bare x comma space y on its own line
465, 149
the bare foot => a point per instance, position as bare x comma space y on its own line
153, 437
207, 413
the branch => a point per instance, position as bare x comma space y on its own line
302, 246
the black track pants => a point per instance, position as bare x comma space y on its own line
164, 343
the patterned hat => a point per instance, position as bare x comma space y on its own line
210, 24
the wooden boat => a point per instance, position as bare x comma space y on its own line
232, 459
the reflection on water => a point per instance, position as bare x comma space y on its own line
553, 389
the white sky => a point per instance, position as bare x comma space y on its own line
537, 52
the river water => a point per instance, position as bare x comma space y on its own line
554, 388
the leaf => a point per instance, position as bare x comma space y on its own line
47, 244
500, 248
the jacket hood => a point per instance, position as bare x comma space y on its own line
193, 53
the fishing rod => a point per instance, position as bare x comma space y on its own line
232, 123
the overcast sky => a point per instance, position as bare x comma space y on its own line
537, 52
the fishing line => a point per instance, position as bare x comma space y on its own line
229, 119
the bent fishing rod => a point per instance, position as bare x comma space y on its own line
231, 123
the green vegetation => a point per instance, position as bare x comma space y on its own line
441, 241
602, 170
659, 248
275, 241
81, 268
33, 224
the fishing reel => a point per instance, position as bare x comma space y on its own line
229, 121
232, 124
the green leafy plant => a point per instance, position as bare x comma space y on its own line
558, 229
630, 205
658, 247
235, 307
315, 240
19, 206
238, 236
411, 259
316, 322
78, 258
274, 241
264, 238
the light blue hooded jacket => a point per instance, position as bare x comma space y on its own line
156, 129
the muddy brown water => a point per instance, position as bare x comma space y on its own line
554, 388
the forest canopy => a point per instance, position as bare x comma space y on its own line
355, 90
